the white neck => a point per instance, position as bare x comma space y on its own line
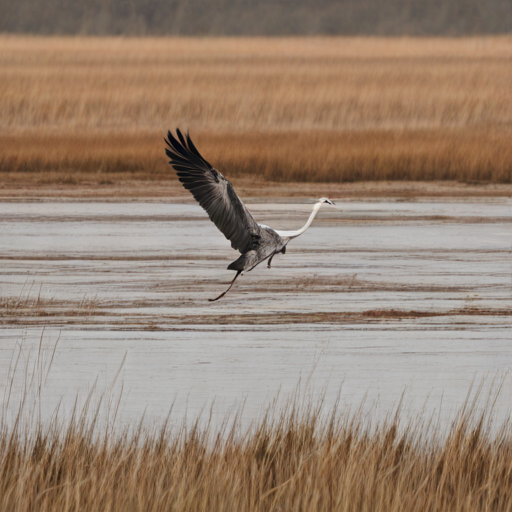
293, 234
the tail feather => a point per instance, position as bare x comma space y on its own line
238, 264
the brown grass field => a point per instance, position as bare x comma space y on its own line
293, 460
93, 111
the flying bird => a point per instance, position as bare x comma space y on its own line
256, 242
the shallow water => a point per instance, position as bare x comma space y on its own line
376, 299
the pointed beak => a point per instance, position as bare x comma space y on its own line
332, 203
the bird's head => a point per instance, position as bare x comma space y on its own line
326, 201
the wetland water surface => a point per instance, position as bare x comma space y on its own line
377, 299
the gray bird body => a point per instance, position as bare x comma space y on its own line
255, 242
266, 245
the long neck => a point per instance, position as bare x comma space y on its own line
293, 234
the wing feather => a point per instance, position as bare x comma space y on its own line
213, 192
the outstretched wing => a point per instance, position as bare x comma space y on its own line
213, 192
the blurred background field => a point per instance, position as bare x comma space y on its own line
325, 109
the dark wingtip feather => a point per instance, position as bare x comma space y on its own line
192, 147
184, 149
170, 140
180, 136
168, 143
176, 146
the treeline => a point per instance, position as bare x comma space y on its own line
257, 17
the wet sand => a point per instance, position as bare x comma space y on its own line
380, 297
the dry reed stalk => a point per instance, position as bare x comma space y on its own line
303, 109
296, 459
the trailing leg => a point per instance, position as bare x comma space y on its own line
224, 293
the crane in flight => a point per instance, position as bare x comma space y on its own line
256, 242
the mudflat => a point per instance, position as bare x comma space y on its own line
378, 296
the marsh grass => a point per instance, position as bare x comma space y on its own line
297, 456
77, 110
37, 303
279, 157
295, 460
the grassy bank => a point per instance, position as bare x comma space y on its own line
302, 110
298, 459
313, 157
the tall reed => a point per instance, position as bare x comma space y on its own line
299, 109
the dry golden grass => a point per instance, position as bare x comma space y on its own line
296, 459
297, 109
309, 156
